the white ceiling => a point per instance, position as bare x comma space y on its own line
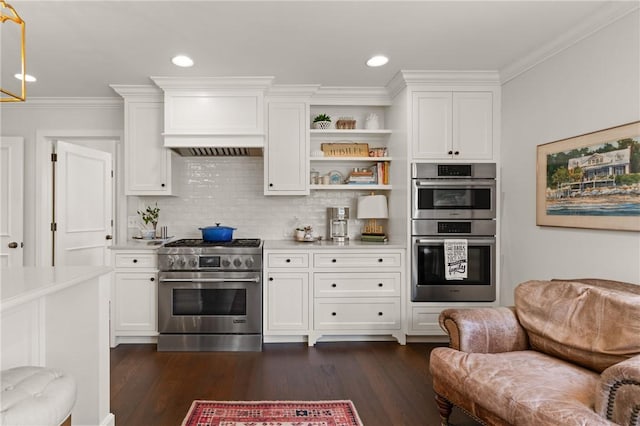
78, 48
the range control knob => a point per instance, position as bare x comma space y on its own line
181, 262
237, 262
193, 263
249, 262
169, 262
226, 262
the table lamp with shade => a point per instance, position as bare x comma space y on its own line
373, 207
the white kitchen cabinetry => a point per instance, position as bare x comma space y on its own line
352, 292
286, 296
148, 164
456, 125
135, 295
286, 151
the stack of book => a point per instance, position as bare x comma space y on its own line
375, 237
364, 177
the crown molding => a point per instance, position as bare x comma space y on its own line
141, 92
351, 95
71, 102
204, 83
605, 16
404, 78
292, 90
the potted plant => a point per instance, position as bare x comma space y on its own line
322, 121
150, 216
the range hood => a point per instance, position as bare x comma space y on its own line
214, 116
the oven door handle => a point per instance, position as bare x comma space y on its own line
210, 280
472, 240
468, 183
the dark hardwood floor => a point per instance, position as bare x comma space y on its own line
389, 384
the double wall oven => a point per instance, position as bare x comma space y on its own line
453, 201
210, 295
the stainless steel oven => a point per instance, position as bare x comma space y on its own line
453, 191
210, 296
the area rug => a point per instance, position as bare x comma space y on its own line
272, 413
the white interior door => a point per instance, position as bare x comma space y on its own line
11, 200
82, 205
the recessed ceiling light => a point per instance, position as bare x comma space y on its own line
377, 61
182, 61
28, 78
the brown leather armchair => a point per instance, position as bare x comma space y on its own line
568, 353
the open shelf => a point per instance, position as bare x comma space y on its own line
353, 187
369, 159
350, 131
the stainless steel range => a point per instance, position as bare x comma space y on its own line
210, 295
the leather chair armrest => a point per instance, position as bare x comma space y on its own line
484, 330
618, 394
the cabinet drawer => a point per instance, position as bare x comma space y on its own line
425, 321
136, 260
356, 260
288, 260
366, 313
380, 284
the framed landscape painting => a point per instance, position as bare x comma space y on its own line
591, 180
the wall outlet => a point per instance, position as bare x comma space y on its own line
132, 221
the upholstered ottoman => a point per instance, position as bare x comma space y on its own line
37, 396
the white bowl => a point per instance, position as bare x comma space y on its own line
148, 234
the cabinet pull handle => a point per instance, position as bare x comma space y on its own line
152, 279
288, 260
333, 260
270, 185
380, 260
270, 278
334, 285
450, 152
379, 314
162, 185
379, 284
333, 314
135, 260
456, 153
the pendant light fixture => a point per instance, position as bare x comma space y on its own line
12, 18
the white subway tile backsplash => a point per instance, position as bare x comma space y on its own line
229, 191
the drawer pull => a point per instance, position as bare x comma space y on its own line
288, 260
334, 285
333, 260
380, 260
135, 260
152, 279
379, 314
380, 284
270, 278
333, 314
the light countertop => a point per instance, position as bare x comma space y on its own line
22, 285
329, 245
138, 244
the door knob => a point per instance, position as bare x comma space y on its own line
13, 244
108, 237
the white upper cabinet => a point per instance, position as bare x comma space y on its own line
456, 125
286, 162
148, 164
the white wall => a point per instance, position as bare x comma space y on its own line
593, 85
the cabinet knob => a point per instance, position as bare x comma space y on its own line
379, 284
380, 260
334, 260
152, 279
456, 153
334, 285
270, 185
162, 185
135, 260
379, 314
333, 314
270, 278
288, 260
12, 244
450, 152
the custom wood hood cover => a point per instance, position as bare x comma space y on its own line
214, 116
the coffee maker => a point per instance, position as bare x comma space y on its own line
338, 223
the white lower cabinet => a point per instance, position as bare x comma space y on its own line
340, 292
134, 297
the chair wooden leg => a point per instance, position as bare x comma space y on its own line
444, 408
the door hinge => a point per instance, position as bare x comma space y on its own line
111, 173
54, 226
112, 223
54, 157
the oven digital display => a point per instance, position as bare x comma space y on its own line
209, 261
